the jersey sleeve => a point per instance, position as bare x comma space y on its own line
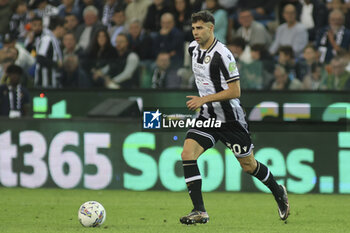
228, 67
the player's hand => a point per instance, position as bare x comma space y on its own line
194, 102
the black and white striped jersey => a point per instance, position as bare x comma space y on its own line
213, 69
49, 53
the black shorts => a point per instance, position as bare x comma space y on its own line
233, 134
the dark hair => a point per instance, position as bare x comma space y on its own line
118, 9
95, 47
36, 18
287, 50
311, 46
17, 3
238, 41
314, 66
125, 35
72, 14
204, 16
244, 9
187, 13
261, 48
56, 22
14, 69
70, 33
216, 7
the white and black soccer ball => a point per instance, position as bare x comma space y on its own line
91, 214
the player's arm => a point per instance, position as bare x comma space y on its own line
233, 91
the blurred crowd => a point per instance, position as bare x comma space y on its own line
119, 44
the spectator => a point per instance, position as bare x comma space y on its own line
197, 5
347, 61
98, 4
5, 16
19, 20
69, 8
261, 9
290, 33
154, 12
283, 3
347, 16
14, 98
164, 76
182, 15
125, 69
260, 54
33, 37
334, 38
118, 20
24, 59
303, 65
252, 31
169, 39
109, 9
240, 50
74, 76
220, 16
287, 60
100, 57
341, 5
137, 10
228, 5
282, 82
70, 46
252, 75
8, 57
139, 41
44, 10
49, 56
88, 30
71, 23
313, 80
338, 78
313, 15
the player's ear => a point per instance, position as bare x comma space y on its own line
211, 26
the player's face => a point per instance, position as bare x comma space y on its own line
202, 31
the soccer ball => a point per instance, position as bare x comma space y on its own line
91, 214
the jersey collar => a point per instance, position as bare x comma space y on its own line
210, 47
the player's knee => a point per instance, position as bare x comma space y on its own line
248, 167
187, 155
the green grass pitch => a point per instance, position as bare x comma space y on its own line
55, 210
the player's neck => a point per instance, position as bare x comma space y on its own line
208, 43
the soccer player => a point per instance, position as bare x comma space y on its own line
217, 79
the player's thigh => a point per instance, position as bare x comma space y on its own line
237, 139
191, 150
197, 141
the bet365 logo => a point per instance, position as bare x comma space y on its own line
151, 120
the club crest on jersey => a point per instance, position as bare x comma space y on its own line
207, 59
